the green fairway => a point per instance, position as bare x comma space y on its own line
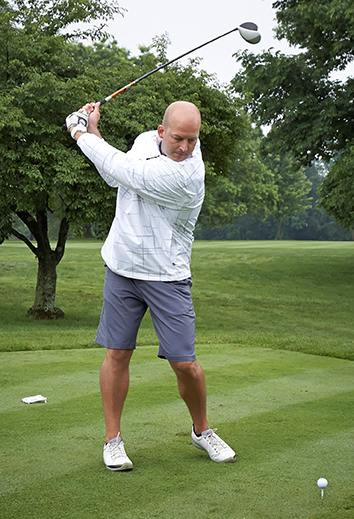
275, 339
289, 295
288, 415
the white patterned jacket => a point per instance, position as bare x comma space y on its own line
158, 203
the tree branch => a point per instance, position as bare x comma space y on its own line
23, 238
62, 237
29, 221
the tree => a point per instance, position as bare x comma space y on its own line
314, 223
324, 27
44, 75
248, 187
39, 82
309, 112
293, 187
337, 191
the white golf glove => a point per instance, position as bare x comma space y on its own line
77, 122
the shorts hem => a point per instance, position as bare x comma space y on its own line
114, 346
178, 359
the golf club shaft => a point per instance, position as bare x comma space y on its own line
163, 66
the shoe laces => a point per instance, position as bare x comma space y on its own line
116, 448
215, 441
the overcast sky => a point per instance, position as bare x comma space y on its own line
189, 23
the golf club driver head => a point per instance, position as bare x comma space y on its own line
249, 32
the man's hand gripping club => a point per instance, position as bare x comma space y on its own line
84, 120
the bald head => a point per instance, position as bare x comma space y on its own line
182, 111
179, 130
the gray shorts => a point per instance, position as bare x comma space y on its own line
125, 302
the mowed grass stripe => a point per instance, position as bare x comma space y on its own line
278, 474
61, 442
277, 487
59, 374
146, 425
284, 483
44, 456
238, 369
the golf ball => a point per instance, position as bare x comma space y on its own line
322, 483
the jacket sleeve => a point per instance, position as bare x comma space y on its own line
159, 180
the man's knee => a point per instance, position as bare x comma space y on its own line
190, 368
118, 356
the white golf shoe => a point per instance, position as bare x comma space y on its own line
114, 455
217, 449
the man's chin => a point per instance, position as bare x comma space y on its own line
178, 157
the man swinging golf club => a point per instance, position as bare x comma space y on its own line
147, 255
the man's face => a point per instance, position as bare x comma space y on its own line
178, 139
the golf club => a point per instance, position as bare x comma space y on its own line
248, 31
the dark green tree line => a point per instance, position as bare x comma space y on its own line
310, 223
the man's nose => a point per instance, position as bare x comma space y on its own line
183, 145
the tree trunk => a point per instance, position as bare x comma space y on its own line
87, 231
278, 236
44, 303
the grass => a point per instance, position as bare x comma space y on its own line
260, 306
290, 295
288, 415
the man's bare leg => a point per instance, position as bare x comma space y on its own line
191, 385
114, 382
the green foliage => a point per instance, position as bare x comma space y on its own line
293, 187
337, 190
324, 27
48, 18
43, 75
313, 223
248, 188
225, 132
309, 112
5, 225
256, 179
160, 43
40, 82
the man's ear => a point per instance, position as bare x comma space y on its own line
161, 131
